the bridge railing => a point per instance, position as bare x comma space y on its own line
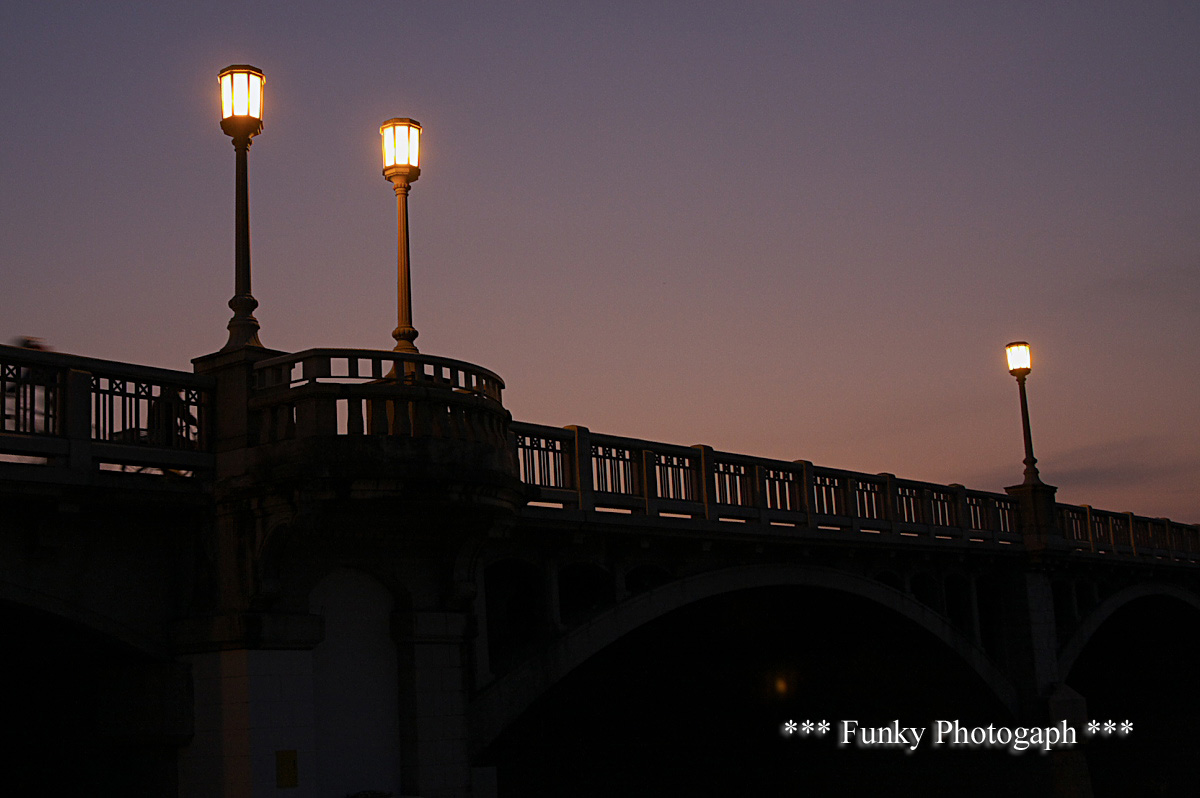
356, 392
69, 414
573, 468
1106, 532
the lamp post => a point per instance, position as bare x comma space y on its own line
401, 165
1019, 363
241, 119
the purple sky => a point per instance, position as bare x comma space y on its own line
794, 230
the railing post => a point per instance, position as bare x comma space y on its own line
1037, 520
705, 479
850, 501
758, 489
581, 467
925, 508
992, 508
890, 499
804, 488
1133, 547
649, 480
962, 513
77, 424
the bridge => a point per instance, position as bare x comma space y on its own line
336, 571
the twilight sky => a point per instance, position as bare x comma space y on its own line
793, 230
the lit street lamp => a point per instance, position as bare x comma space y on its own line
1019, 363
401, 165
241, 118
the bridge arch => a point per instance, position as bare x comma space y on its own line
502, 702
1097, 617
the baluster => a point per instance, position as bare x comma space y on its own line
392, 416
354, 411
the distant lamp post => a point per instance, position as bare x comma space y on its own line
1019, 364
401, 165
241, 119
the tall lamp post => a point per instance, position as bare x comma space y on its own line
241, 119
1019, 363
401, 165
1038, 522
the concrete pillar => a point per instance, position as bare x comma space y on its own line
1068, 767
1040, 632
254, 731
356, 686
1033, 642
433, 706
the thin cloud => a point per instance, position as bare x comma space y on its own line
1151, 283
1140, 461
1134, 461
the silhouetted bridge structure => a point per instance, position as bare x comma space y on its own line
343, 570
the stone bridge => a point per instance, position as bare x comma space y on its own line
338, 571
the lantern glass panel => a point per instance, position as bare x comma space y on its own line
239, 93
389, 147
1018, 356
255, 97
226, 96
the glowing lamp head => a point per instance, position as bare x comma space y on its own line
241, 100
401, 149
1018, 358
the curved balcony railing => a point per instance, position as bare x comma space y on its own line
357, 392
573, 469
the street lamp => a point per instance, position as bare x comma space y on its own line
401, 165
241, 119
1019, 364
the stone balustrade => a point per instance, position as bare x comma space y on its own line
573, 470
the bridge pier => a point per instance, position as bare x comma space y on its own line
254, 727
434, 695
331, 658
1045, 700
1035, 646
